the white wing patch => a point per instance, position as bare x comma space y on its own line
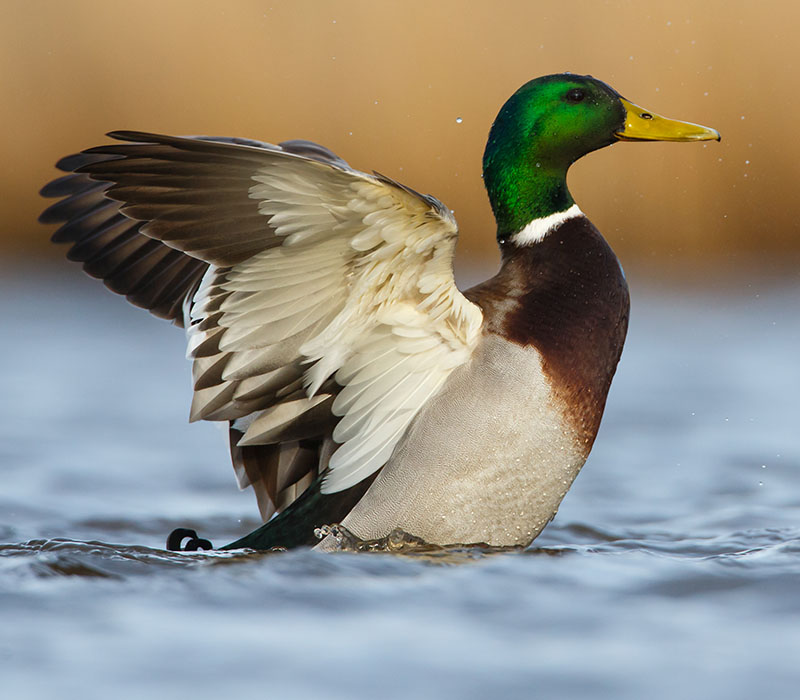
389, 377
361, 290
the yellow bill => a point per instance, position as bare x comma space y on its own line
641, 125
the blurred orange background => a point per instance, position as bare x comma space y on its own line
410, 88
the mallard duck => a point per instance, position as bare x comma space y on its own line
359, 384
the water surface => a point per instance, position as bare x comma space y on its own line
672, 569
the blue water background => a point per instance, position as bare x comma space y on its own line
671, 571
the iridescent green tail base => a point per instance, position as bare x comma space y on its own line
295, 526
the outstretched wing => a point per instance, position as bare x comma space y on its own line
328, 295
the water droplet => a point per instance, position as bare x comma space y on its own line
705, 94
743, 116
459, 120
763, 466
760, 483
747, 162
376, 102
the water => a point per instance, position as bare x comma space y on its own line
672, 569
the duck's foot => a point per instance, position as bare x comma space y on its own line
194, 543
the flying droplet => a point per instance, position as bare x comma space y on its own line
459, 120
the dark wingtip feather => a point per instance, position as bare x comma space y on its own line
60, 187
110, 151
129, 135
70, 162
109, 245
51, 215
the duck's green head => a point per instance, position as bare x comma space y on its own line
548, 124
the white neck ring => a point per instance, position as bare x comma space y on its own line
536, 230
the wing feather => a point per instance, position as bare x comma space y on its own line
327, 294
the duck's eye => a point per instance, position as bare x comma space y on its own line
575, 95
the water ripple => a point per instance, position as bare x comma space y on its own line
670, 571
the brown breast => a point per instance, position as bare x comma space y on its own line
566, 296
